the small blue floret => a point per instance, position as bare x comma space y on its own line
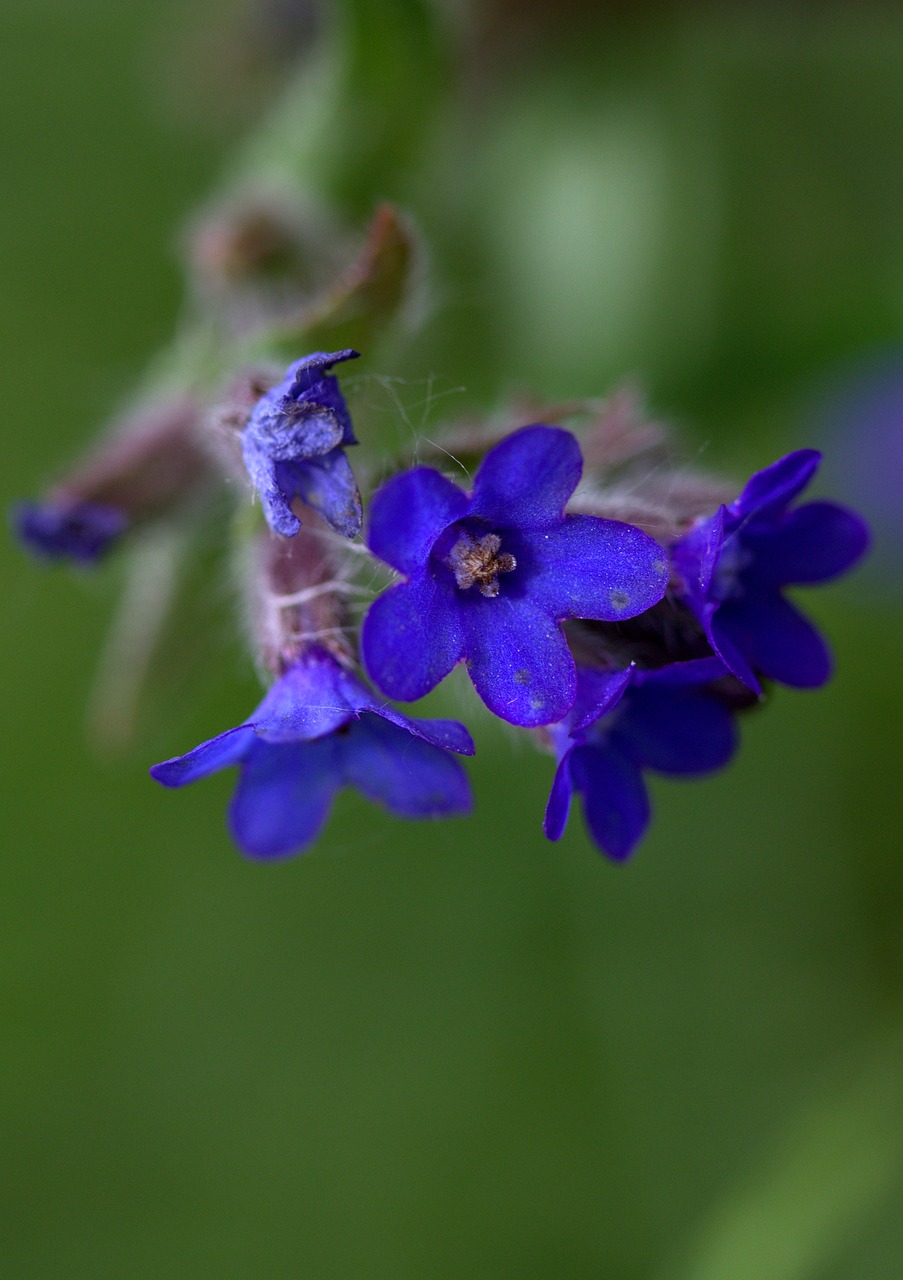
491, 576
294, 447
317, 730
734, 564
675, 720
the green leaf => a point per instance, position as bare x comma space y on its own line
822, 1182
364, 299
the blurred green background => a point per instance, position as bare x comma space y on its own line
444, 1051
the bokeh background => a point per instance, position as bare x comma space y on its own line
439, 1051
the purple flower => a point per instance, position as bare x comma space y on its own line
491, 576
735, 563
674, 720
317, 730
294, 447
80, 531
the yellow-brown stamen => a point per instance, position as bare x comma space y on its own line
478, 562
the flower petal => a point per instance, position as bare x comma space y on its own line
526, 480
677, 730
559, 804
769, 490
696, 554
407, 515
586, 567
283, 796
328, 486
308, 432
447, 734
304, 414
615, 800
315, 697
727, 636
815, 542
309, 379
774, 638
598, 692
217, 753
411, 637
264, 477
518, 660
695, 671
411, 777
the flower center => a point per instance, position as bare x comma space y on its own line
479, 561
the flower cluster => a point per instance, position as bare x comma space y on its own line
623, 626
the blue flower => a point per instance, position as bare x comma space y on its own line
734, 564
294, 447
675, 720
317, 730
80, 531
490, 577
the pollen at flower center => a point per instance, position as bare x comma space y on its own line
479, 561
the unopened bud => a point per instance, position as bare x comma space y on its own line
149, 463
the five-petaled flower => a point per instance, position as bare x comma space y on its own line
674, 720
317, 730
294, 447
734, 564
491, 576
80, 531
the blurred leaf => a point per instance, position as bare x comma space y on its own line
151, 581
354, 118
167, 635
826, 1178
364, 299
